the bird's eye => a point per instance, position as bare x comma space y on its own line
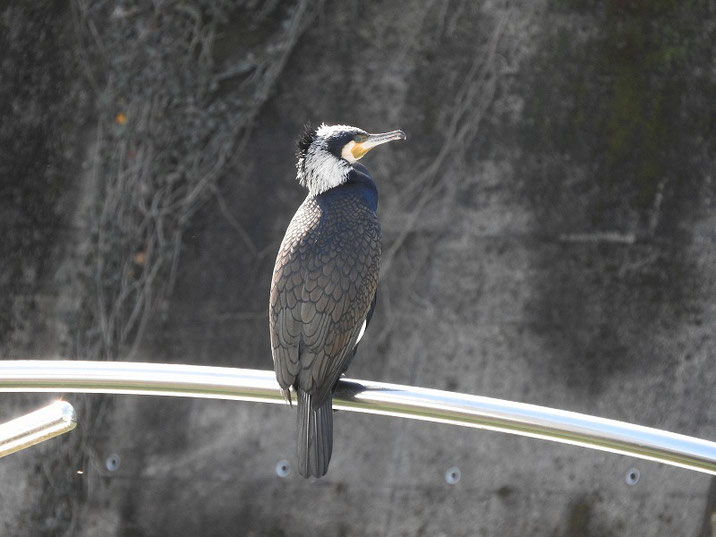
358, 138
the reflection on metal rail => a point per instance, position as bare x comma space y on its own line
30, 429
364, 396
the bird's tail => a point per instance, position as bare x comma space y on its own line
315, 436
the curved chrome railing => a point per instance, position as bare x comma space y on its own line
364, 396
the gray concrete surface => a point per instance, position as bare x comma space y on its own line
548, 230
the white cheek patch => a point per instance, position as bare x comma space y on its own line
347, 152
324, 170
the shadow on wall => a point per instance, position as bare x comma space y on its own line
613, 174
34, 163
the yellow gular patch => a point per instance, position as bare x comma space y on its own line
358, 150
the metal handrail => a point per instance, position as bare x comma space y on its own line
35, 427
364, 396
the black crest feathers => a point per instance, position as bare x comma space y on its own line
302, 144
304, 141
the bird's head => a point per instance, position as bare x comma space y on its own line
326, 154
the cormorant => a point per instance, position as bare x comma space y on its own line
324, 281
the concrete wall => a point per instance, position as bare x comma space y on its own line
548, 238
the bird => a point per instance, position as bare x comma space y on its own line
323, 288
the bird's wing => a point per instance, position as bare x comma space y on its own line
324, 284
287, 283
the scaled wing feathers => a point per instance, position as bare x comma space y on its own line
323, 285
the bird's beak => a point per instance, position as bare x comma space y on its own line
361, 148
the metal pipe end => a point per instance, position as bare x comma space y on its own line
65, 411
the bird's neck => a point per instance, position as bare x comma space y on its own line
359, 184
322, 171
